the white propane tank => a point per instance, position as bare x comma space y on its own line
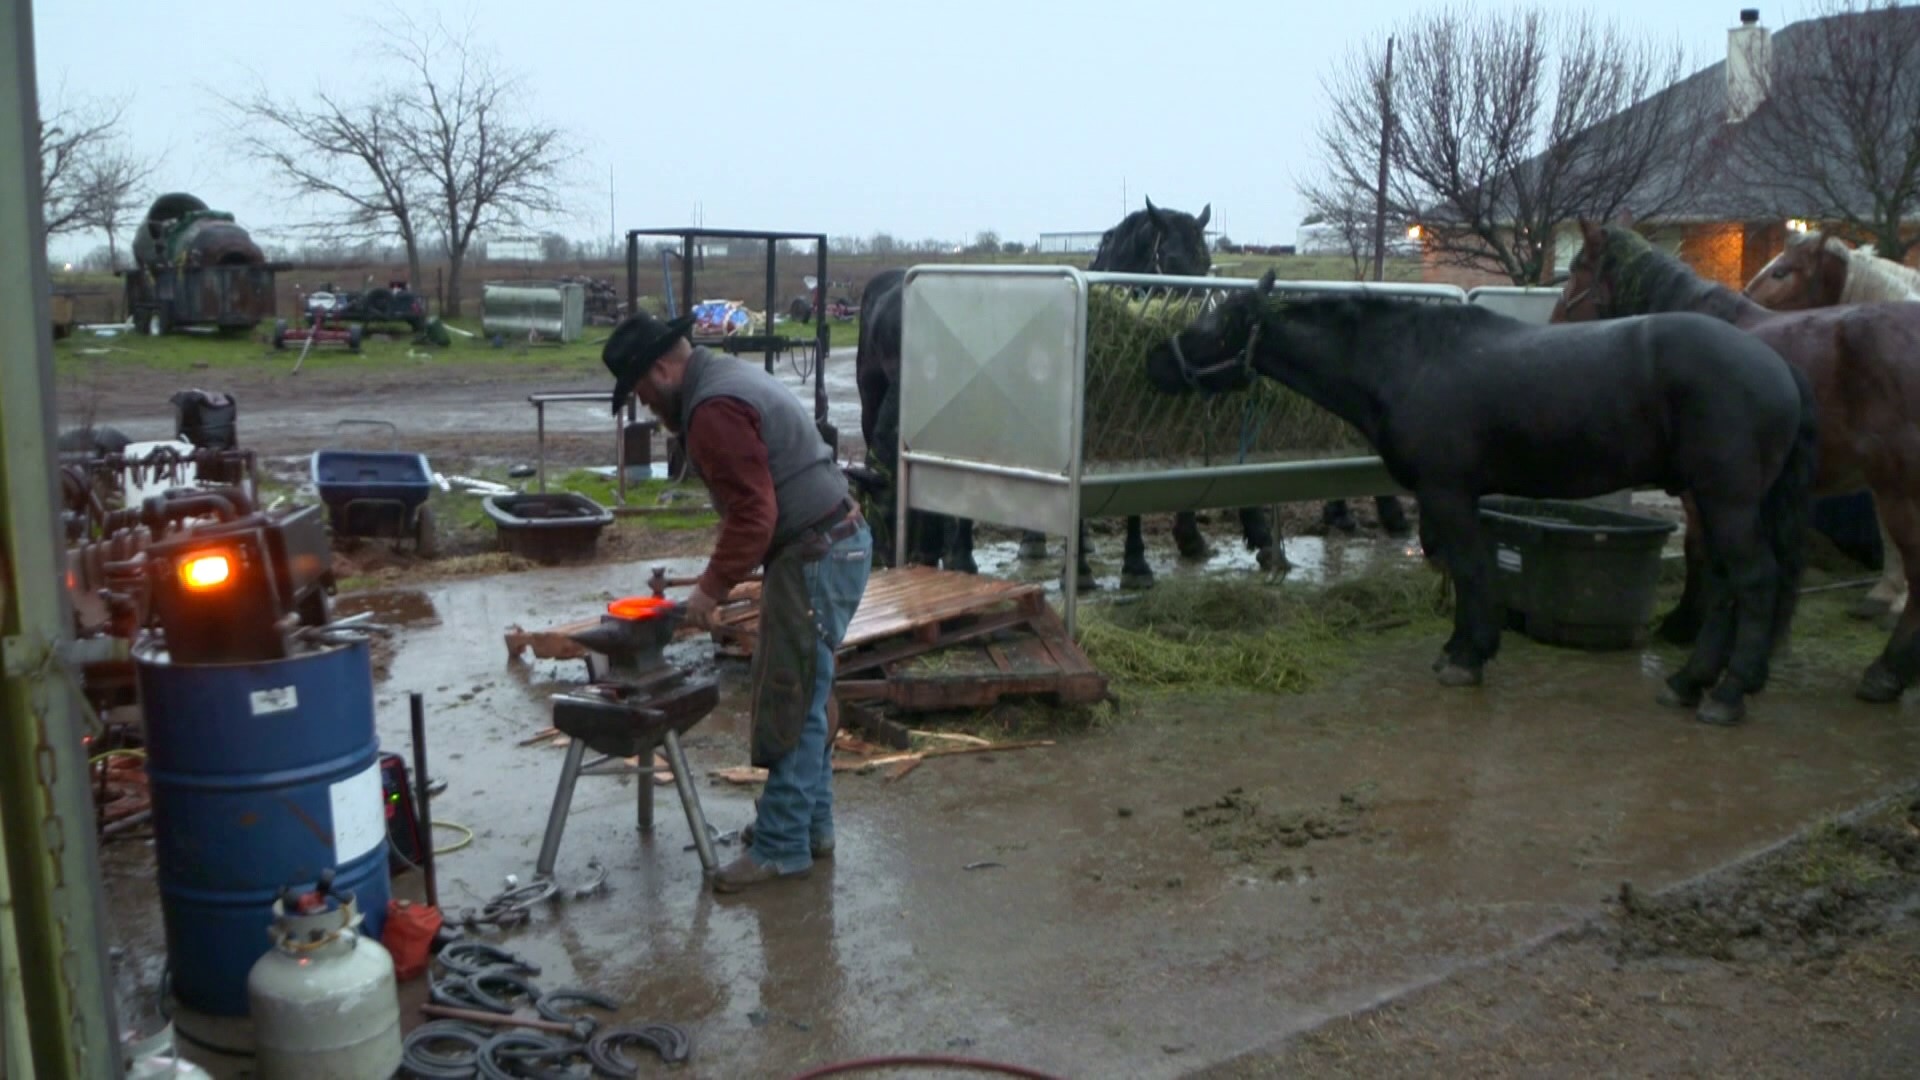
323, 1000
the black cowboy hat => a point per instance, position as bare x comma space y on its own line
633, 347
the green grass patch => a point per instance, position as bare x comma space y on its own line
1271, 638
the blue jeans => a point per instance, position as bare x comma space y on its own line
795, 810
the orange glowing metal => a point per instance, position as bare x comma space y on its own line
639, 607
206, 571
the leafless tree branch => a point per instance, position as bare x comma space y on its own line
73, 140
479, 167
1509, 125
1838, 136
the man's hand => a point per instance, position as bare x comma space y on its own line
699, 609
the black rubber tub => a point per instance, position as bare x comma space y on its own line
554, 527
1575, 575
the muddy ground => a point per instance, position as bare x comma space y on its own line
1370, 878
1190, 877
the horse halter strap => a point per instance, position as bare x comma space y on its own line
1241, 360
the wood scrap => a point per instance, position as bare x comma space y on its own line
971, 740
543, 736
745, 774
903, 769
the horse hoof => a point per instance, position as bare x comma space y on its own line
1195, 550
1133, 581
1721, 713
1878, 685
1679, 696
1273, 559
1452, 674
1033, 550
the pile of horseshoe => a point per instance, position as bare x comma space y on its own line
481, 995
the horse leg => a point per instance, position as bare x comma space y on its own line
1257, 526
960, 546
1682, 625
1033, 545
1186, 535
1334, 514
1134, 571
1081, 575
1899, 662
1891, 589
1450, 523
926, 537
1750, 578
1392, 517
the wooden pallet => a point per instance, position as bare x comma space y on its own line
994, 639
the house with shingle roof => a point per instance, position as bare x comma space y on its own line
1715, 215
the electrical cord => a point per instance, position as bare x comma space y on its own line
465, 840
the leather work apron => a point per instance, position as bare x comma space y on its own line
786, 656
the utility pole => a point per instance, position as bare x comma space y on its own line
1380, 192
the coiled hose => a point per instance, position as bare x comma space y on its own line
941, 1061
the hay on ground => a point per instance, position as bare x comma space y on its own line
1246, 635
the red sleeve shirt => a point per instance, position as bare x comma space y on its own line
723, 438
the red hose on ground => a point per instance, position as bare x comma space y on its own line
939, 1060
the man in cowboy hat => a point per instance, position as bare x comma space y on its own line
783, 505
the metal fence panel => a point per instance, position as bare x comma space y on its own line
1531, 303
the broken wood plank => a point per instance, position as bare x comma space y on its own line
543, 736
903, 769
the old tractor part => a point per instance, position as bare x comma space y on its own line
196, 267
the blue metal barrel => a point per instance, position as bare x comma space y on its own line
262, 775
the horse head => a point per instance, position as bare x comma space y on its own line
1810, 272
1157, 240
1215, 352
1593, 274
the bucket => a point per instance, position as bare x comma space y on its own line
1574, 574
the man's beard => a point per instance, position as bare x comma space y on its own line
669, 412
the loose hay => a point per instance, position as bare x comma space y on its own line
1128, 421
1276, 639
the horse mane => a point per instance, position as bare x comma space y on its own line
1128, 233
1646, 278
1871, 279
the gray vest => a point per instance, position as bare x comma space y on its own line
807, 482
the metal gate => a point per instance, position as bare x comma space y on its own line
995, 396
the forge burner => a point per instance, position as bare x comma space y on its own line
640, 701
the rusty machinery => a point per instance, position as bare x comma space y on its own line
194, 266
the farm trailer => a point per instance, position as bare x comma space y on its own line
773, 344
1011, 342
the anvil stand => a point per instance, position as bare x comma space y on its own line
641, 701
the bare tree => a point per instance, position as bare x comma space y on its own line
349, 155
72, 141
1837, 136
478, 167
1508, 125
113, 184
1346, 211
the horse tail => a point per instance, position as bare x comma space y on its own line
1786, 513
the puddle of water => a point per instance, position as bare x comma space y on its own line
400, 607
1316, 560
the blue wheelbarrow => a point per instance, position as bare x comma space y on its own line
377, 494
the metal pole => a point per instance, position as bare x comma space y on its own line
56, 909
822, 337
633, 274
424, 811
773, 288
1380, 192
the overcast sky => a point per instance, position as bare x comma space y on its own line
935, 119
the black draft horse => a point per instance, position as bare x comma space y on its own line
1155, 240
1462, 402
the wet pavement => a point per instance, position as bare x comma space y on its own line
1203, 875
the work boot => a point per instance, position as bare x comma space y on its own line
747, 871
821, 849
